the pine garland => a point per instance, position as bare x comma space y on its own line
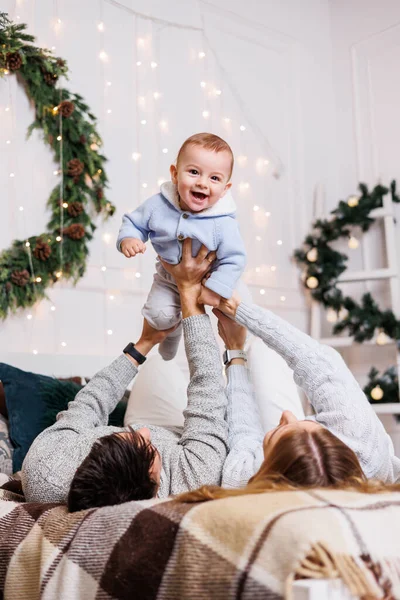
322, 267
30, 266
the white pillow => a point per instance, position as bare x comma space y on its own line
159, 394
274, 387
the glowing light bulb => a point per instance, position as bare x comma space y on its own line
353, 201
94, 146
377, 393
244, 185
282, 298
262, 292
267, 214
136, 156
163, 125
109, 111
331, 316
59, 21
203, 84
312, 282
242, 128
205, 114
353, 242
21, 208
227, 120
38, 279
138, 275
156, 95
153, 64
312, 255
64, 344
382, 339
107, 238
258, 269
140, 42
258, 238
143, 122
52, 308
27, 244
104, 268
144, 185
34, 351
103, 55
100, 26
12, 174
138, 63
59, 138
343, 313
99, 171
109, 331
165, 150
279, 242
65, 204
202, 54
58, 238
273, 268
58, 274
256, 208
8, 142
56, 172
218, 92
7, 108
111, 297
108, 83
29, 317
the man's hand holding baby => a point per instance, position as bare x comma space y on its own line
132, 246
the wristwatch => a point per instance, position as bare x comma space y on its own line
228, 355
131, 350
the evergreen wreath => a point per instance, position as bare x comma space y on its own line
322, 267
69, 128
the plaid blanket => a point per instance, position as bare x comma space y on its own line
247, 547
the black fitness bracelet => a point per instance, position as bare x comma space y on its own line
131, 350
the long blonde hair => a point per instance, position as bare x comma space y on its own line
304, 460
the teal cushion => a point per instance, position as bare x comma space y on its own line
33, 402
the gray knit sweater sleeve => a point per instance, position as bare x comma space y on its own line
339, 402
244, 426
199, 456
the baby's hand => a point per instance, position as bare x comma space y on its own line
209, 297
132, 246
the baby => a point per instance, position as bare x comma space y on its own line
196, 204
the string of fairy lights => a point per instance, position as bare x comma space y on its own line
214, 91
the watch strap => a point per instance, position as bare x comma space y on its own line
231, 354
131, 350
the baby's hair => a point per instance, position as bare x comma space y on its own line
209, 141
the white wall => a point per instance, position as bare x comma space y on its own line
272, 62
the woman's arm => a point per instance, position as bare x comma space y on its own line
339, 402
245, 434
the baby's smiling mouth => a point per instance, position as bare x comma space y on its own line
199, 195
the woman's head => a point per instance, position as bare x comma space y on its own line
306, 454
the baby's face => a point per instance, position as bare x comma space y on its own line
202, 177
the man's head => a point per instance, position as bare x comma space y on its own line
119, 468
203, 169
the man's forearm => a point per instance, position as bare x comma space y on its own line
189, 302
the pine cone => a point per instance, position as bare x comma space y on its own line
14, 61
8, 287
75, 209
76, 231
83, 139
100, 193
75, 167
42, 250
60, 63
50, 78
66, 108
20, 278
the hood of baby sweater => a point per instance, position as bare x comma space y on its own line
224, 206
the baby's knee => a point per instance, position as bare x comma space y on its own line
162, 320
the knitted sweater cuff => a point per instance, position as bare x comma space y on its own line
196, 327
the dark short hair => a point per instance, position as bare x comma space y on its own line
116, 470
